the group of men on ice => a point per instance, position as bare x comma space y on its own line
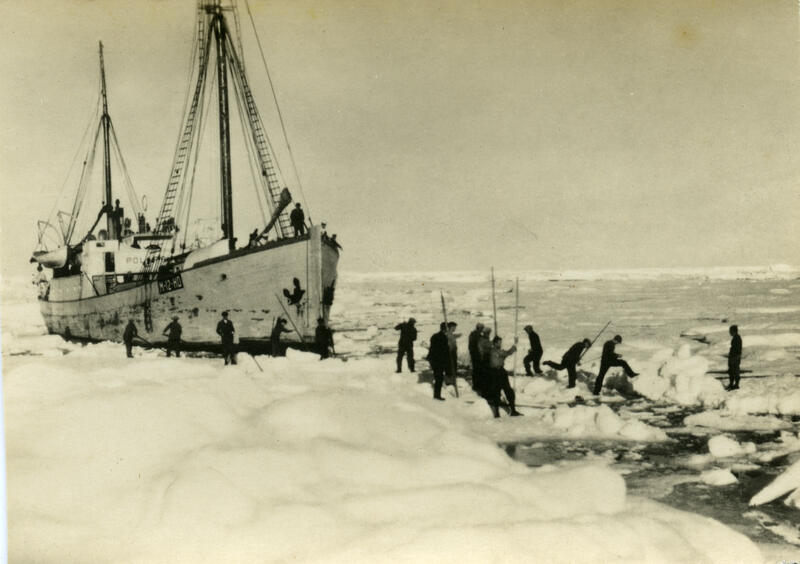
323, 338
487, 357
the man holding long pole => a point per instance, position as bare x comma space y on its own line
450, 332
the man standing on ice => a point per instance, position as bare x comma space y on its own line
275, 336
225, 330
480, 375
439, 357
734, 358
128, 336
534, 354
174, 338
472, 345
570, 360
609, 359
452, 343
405, 346
323, 339
498, 379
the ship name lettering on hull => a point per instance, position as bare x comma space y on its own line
170, 284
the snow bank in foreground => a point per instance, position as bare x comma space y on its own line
182, 460
679, 377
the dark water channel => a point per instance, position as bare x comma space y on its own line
661, 471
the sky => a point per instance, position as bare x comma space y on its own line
449, 135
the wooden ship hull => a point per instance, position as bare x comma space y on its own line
248, 283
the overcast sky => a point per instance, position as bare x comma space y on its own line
450, 135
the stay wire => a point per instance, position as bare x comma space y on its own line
83, 184
81, 149
267, 160
278, 108
251, 149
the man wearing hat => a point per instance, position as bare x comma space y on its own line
609, 359
323, 339
439, 357
174, 337
498, 378
452, 344
225, 330
570, 360
474, 355
534, 354
128, 336
480, 375
405, 346
734, 358
275, 336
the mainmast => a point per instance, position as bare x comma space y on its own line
112, 234
220, 32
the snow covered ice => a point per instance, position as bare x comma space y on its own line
160, 460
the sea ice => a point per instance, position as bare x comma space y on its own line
718, 477
721, 446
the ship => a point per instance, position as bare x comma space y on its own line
93, 281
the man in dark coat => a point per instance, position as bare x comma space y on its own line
481, 378
734, 358
570, 360
323, 339
439, 357
225, 330
472, 346
405, 346
534, 354
174, 337
452, 343
275, 336
609, 359
128, 336
298, 220
498, 379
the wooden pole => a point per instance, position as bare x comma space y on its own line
289, 317
593, 340
494, 305
516, 327
450, 359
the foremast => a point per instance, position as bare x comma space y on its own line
106, 121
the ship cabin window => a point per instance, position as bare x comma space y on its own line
109, 262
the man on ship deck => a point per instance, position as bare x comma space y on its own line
298, 220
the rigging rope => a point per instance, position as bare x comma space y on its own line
83, 184
132, 196
251, 149
81, 149
280, 115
